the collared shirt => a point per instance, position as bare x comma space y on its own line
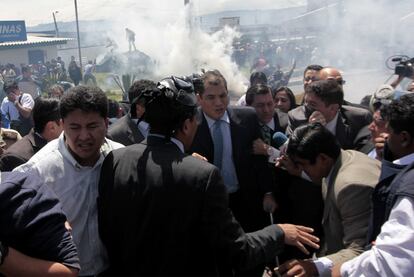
394, 248
143, 127
271, 124
227, 151
406, 160
76, 186
179, 144
9, 109
331, 125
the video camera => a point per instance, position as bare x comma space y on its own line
405, 66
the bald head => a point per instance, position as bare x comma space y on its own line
330, 73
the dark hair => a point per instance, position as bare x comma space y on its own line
113, 108
327, 90
315, 67
45, 110
25, 69
10, 86
308, 141
258, 89
212, 77
289, 94
135, 93
258, 77
169, 104
400, 114
87, 99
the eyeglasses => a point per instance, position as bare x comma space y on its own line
307, 79
341, 82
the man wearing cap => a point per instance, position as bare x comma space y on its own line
163, 212
130, 128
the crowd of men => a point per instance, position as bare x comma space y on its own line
186, 184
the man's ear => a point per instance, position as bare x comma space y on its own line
406, 139
335, 107
199, 98
186, 126
324, 158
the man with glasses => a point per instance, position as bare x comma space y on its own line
324, 104
310, 74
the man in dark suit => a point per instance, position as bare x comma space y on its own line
260, 98
323, 103
162, 212
225, 137
47, 127
130, 129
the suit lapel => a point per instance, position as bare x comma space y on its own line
235, 133
328, 186
342, 131
204, 139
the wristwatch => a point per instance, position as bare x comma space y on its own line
4, 250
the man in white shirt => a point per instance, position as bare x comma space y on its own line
17, 108
71, 164
391, 232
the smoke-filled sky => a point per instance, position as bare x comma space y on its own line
37, 12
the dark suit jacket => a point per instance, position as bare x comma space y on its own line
125, 131
350, 121
21, 151
162, 212
254, 178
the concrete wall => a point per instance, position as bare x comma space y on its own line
21, 55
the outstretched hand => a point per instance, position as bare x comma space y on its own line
299, 236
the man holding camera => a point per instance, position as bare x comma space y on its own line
17, 108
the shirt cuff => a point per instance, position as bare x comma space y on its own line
346, 268
305, 176
324, 266
273, 154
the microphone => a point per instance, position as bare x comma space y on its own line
279, 139
279, 143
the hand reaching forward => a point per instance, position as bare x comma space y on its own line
298, 236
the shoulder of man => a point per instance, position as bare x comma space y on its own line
10, 134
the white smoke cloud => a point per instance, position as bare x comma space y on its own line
178, 49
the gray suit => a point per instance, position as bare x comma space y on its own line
350, 121
347, 196
125, 131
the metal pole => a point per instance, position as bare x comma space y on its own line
56, 27
77, 32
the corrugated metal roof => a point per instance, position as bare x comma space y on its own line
33, 41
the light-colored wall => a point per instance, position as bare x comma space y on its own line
21, 55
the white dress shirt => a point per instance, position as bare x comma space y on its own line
227, 151
76, 186
393, 252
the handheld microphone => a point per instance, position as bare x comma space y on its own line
279, 140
